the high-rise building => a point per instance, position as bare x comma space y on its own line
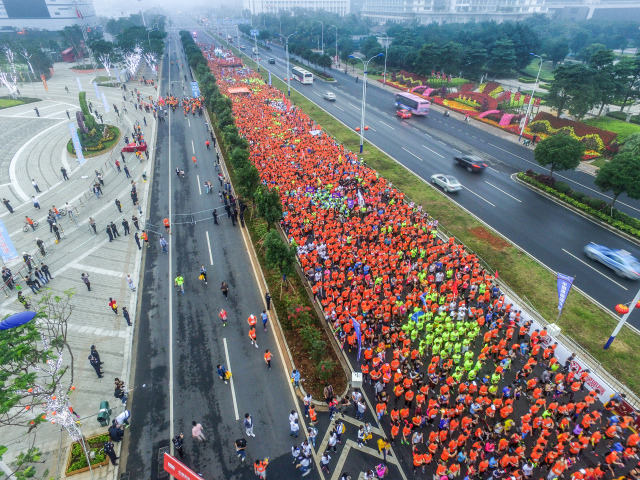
45, 14
341, 7
450, 11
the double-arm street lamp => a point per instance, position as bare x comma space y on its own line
386, 50
365, 64
524, 124
322, 44
336, 43
286, 39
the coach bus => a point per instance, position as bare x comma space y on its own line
415, 104
302, 75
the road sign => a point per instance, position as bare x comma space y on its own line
195, 89
7, 250
177, 469
255, 32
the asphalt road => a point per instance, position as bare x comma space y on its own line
546, 230
180, 338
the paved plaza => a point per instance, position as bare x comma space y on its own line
35, 148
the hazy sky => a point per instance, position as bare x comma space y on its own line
114, 7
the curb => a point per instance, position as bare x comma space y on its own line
568, 206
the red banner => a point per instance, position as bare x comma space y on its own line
177, 469
44, 82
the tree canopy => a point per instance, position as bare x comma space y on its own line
559, 152
620, 175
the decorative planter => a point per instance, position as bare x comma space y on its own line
73, 459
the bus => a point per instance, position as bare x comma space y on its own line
415, 104
302, 75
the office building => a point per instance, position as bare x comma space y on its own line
45, 14
256, 7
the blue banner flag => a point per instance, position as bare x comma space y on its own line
269, 77
104, 103
195, 89
117, 75
564, 285
76, 143
79, 84
7, 250
95, 85
356, 328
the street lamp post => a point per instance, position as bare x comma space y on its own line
386, 49
622, 321
322, 43
336, 43
365, 65
524, 124
286, 39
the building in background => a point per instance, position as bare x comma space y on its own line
45, 14
256, 7
576, 10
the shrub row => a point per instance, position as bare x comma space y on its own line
623, 116
592, 206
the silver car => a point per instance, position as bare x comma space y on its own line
448, 183
329, 96
620, 261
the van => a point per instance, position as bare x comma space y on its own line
255, 51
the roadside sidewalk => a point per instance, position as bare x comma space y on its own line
81, 250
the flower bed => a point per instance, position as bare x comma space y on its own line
480, 99
77, 462
595, 138
488, 112
453, 105
467, 87
589, 205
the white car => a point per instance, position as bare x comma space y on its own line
620, 261
448, 183
329, 96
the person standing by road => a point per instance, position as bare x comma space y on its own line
267, 358
36, 202
125, 225
179, 282
163, 244
92, 223
114, 306
137, 239
125, 314
248, 425
222, 372
225, 290
118, 205
110, 233
70, 209
267, 298
85, 279
130, 283
8, 205
145, 237
223, 317
35, 185
95, 362
64, 173
260, 468
196, 431
108, 449
167, 225
265, 319
178, 444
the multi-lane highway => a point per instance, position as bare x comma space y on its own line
546, 230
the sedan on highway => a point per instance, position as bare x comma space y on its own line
448, 183
471, 162
403, 113
620, 261
329, 96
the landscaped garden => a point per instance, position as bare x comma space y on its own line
77, 462
95, 138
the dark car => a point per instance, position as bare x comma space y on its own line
272, 61
470, 162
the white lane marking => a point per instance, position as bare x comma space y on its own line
209, 245
456, 150
233, 390
387, 125
189, 122
316, 93
199, 188
594, 269
410, 153
442, 142
339, 108
507, 151
352, 105
494, 169
427, 135
479, 196
503, 191
169, 190
193, 148
433, 151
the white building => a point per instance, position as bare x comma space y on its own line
45, 14
341, 7
451, 11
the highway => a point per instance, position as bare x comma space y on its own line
544, 229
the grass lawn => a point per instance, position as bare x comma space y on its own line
623, 129
583, 321
8, 102
599, 162
546, 74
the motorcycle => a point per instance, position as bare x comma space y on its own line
446, 113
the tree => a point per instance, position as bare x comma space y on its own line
556, 50
345, 46
476, 56
573, 89
631, 144
101, 47
279, 255
24, 464
605, 82
427, 59
315, 58
620, 175
370, 47
503, 57
524, 40
325, 61
269, 204
248, 180
451, 58
560, 152
586, 54
627, 71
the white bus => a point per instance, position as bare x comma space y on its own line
415, 104
302, 75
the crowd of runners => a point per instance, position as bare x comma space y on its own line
460, 379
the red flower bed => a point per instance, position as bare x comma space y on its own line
579, 129
439, 101
490, 87
467, 87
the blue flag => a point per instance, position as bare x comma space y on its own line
564, 285
356, 328
269, 77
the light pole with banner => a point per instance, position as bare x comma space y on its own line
365, 65
635, 303
526, 117
254, 33
336, 43
286, 39
322, 42
386, 50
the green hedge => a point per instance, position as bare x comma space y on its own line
526, 80
618, 224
